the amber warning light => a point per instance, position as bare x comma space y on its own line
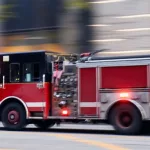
124, 95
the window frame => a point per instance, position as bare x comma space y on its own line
10, 68
32, 72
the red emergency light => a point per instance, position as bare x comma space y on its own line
124, 95
65, 112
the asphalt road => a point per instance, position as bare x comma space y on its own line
71, 137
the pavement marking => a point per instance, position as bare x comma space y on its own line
91, 135
90, 142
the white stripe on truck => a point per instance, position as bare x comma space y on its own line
89, 104
36, 104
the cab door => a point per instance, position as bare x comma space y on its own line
33, 93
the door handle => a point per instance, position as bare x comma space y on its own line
1, 86
39, 85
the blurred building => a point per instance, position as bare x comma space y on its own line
43, 24
76, 33
30, 25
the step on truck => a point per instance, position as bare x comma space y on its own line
44, 88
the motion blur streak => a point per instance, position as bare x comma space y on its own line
108, 1
134, 16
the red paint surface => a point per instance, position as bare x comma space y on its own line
88, 89
28, 92
88, 85
124, 77
48, 98
36, 109
88, 111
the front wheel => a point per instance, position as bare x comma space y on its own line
13, 116
126, 119
44, 124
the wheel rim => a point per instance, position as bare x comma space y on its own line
124, 119
13, 117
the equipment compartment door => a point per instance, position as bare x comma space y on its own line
88, 92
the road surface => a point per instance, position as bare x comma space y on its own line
71, 137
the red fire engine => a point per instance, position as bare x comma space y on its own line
41, 88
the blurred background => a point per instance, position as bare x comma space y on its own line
75, 26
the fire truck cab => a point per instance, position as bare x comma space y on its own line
25, 87
43, 88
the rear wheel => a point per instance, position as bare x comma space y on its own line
13, 116
126, 119
44, 124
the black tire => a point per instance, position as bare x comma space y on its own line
126, 119
44, 124
13, 116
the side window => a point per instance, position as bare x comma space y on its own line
14, 72
31, 72
27, 73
